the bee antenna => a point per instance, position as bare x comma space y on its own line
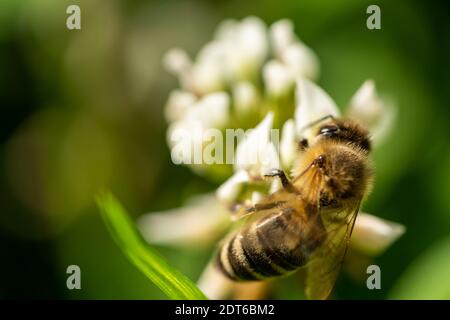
312, 124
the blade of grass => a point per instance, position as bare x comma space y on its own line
172, 282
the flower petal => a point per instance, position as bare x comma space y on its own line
256, 197
245, 98
312, 104
200, 222
247, 49
269, 159
207, 77
226, 29
298, 58
373, 235
217, 287
278, 78
256, 153
230, 189
282, 35
372, 111
301, 60
214, 284
177, 105
187, 137
208, 72
176, 61
212, 111
288, 144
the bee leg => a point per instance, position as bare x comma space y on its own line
264, 206
245, 211
282, 176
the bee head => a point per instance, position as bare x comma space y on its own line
345, 130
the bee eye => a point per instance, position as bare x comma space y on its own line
328, 130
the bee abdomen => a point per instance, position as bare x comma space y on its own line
259, 253
236, 263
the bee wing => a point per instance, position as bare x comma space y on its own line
325, 262
309, 184
267, 205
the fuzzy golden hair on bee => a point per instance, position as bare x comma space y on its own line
347, 171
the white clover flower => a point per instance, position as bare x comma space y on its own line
222, 89
238, 53
232, 64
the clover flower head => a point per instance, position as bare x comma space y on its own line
236, 79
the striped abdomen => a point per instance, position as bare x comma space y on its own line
271, 246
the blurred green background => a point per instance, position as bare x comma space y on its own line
83, 109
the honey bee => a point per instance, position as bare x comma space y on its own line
308, 222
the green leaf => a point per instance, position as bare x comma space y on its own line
172, 282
